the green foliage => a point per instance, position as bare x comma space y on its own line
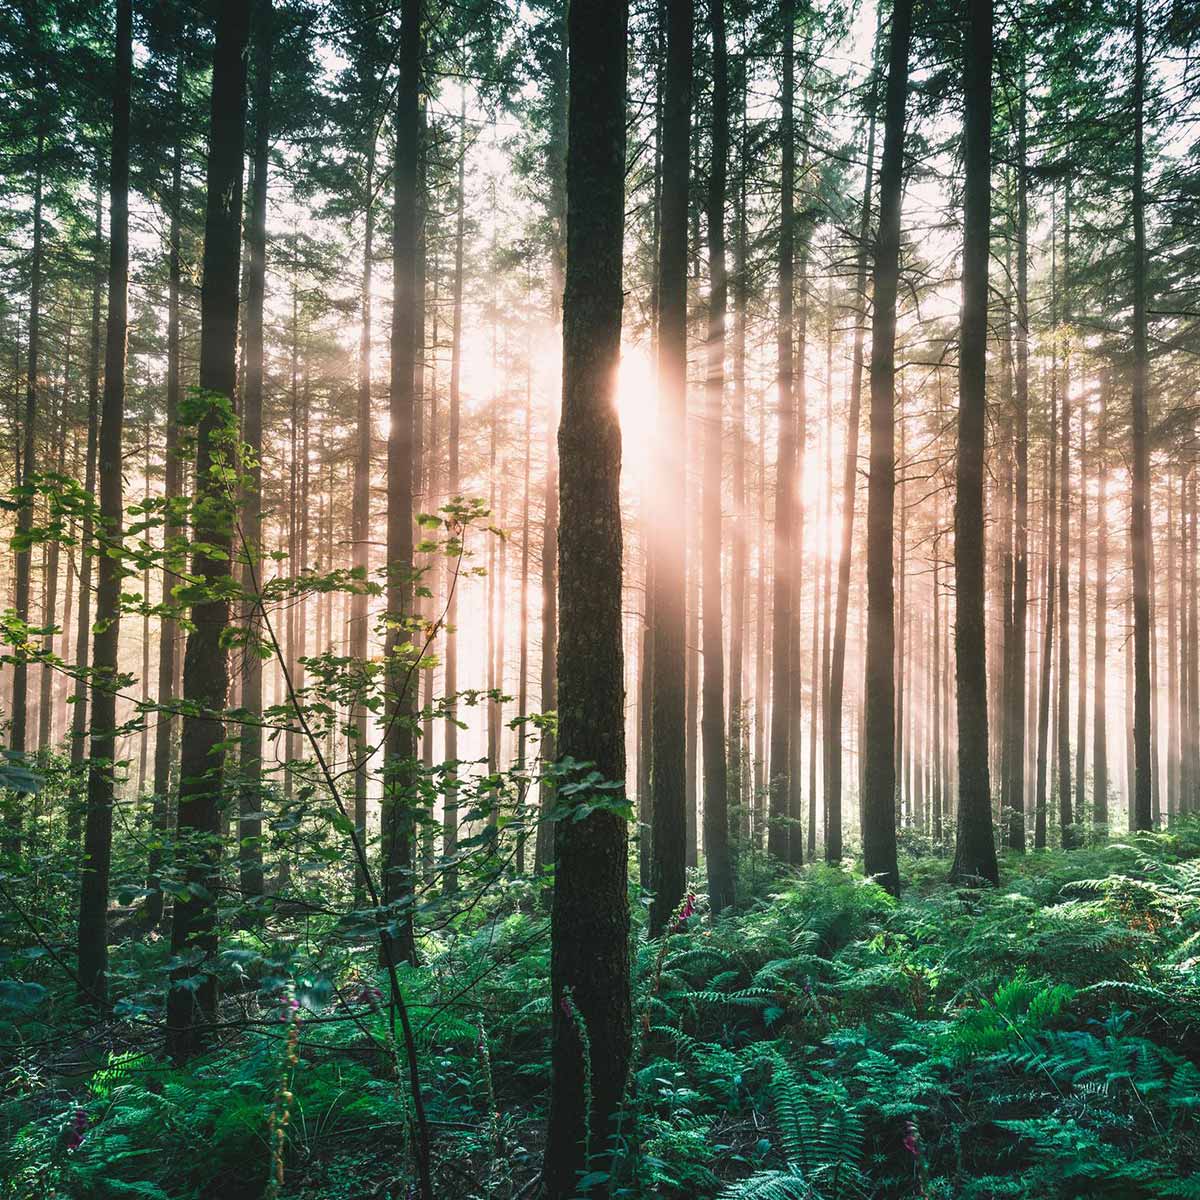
824, 1041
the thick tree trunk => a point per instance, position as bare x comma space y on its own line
97, 839
590, 919
668, 599
191, 1005
975, 851
879, 781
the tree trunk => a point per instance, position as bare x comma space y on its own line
795, 846
783, 598
1100, 667
739, 799
450, 797
168, 633
1063, 704
83, 628
1080, 798
58, 421
837, 665
556, 164
97, 838
668, 600
360, 517
192, 1005
1140, 471
975, 851
23, 561
879, 782
590, 919
250, 793
716, 777
1013, 781
523, 616
398, 815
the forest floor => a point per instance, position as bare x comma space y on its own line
825, 1042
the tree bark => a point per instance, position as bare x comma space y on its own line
879, 781
739, 799
168, 634
975, 851
250, 791
83, 629
783, 598
556, 170
453, 435
97, 838
1140, 473
1100, 666
360, 517
717, 857
23, 560
669, 540
837, 666
192, 999
590, 918
1013, 782
398, 816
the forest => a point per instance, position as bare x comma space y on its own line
599, 599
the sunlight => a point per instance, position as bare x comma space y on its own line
637, 406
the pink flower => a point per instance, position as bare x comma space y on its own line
76, 1129
910, 1140
687, 909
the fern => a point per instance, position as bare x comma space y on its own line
771, 1185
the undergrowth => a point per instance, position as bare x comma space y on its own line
825, 1042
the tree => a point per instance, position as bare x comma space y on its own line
168, 646
668, 844
250, 791
399, 796
879, 794
975, 850
97, 846
28, 453
192, 998
1013, 779
783, 597
1139, 533
716, 779
837, 666
589, 971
